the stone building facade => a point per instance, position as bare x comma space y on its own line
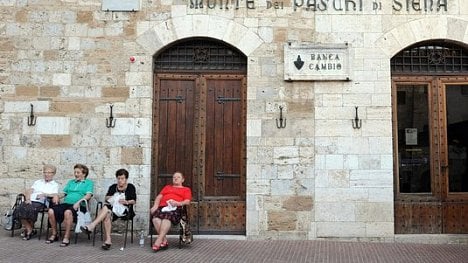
318, 177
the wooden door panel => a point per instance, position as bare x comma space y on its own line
224, 138
417, 218
222, 203
222, 217
456, 215
175, 128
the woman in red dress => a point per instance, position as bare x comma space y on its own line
167, 208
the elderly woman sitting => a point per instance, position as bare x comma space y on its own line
123, 193
167, 208
37, 199
75, 192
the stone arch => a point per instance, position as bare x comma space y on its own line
400, 37
216, 27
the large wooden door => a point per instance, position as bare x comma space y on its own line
431, 146
200, 131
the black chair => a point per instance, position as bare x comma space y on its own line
127, 220
185, 234
42, 212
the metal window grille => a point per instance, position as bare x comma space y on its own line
431, 58
200, 55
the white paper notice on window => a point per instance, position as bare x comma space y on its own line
411, 136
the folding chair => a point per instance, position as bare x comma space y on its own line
43, 212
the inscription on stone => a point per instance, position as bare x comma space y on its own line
308, 61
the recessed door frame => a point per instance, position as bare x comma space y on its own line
437, 210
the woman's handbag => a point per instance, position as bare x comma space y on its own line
11, 216
83, 218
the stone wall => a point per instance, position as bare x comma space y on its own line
317, 178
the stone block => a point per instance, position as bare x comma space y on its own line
119, 92
374, 212
55, 141
298, 203
335, 212
380, 229
334, 161
136, 78
61, 79
123, 126
286, 155
132, 155
282, 221
369, 162
257, 186
340, 229
49, 91
282, 187
52, 125
30, 91
371, 178
254, 128
85, 17
66, 107
381, 194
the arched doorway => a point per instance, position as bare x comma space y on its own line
430, 131
199, 124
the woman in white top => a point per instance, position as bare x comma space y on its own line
37, 199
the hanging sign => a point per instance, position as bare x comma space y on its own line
308, 61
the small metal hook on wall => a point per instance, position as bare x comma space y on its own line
31, 117
357, 123
281, 123
110, 122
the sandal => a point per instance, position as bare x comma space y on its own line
85, 229
164, 245
65, 244
106, 246
52, 239
156, 248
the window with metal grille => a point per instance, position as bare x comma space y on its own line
431, 58
200, 55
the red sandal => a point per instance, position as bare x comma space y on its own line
156, 248
164, 245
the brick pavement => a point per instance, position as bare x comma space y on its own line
13, 249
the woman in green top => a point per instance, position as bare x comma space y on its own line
75, 192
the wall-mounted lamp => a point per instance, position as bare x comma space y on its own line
110, 122
357, 123
31, 117
281, 123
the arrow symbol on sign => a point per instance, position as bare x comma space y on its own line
299, 63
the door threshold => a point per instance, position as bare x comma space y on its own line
222, 237
432, 238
